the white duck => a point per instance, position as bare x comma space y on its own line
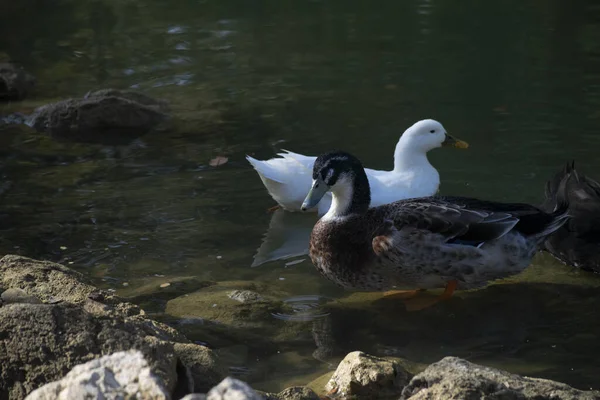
289, 178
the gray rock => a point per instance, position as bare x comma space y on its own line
454, 378
111, 117
129, 95
232, 389
15, 83
245, 296
39, 343
51, 283
293, 393
16, 295
367, 377
120, 375
194, 396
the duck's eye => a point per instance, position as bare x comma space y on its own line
432, 131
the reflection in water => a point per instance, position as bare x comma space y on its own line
287, 237
547, 330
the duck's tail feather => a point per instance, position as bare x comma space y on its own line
557, 219
265, 169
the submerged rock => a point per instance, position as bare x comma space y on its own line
238, 304
204, 368
454, 378
367, 377
108, 116
77, 323
125, 374
15, 83
245, 296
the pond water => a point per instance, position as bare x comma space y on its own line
520, 81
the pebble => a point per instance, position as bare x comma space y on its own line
125, 284
164, 285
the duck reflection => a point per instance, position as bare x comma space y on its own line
287, 237
540, 329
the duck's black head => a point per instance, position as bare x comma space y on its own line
343, 175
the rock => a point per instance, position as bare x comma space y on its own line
129, 95
232, 389
245, 296
16, 295
109, 116
39, 343
15, 83
51, 282
293, 393
204, 367
125, 374
368, 377
454, 378
215, 303
194, 396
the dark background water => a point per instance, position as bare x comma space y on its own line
520, 81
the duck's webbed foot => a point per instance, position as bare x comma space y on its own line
274, 208
422, 303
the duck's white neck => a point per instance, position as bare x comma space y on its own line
410, 157
350, 195
341, 199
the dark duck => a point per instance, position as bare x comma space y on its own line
576, 243
420, 243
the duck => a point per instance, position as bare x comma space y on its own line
447, 242
288, 178
577, 243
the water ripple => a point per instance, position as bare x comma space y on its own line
304, 308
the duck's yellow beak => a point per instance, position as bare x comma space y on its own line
454, 142
316, 193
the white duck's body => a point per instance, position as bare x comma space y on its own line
289, 178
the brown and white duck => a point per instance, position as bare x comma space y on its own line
419, 243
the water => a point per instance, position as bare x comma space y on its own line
519, 81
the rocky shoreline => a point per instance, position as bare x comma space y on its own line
62, 338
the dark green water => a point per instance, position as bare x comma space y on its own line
520, 81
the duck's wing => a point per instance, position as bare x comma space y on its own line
455, 222
532, 220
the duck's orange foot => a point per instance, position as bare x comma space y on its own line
381, 244
402, 294
426, 302
274, 208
